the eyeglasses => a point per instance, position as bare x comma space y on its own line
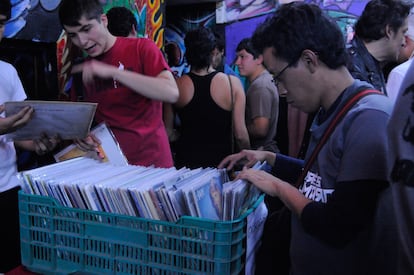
276, 78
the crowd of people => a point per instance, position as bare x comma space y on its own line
350, 199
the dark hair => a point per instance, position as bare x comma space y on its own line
199, 44
219, 40
5, 8
121, 21
298, 26
377, 15
246, 44
71, 11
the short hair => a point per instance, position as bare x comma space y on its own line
71, 11
121, 21
5, 8
297, 26
246, 44
219, 40
377, 14
199, 44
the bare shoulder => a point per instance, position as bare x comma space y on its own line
186, 90
183, 80
220, 89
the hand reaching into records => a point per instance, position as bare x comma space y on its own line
247, 158
90, 143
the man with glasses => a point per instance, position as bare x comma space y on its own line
334, 206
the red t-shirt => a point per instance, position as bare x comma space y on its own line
135, 120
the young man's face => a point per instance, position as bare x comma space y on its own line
293, 82
397, 41
3, 21
246, 63
90, 36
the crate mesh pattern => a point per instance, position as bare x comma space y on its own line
62, 240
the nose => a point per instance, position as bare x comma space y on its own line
404, 41
237, 62
83, 39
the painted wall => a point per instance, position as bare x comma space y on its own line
241, 18
181, 19
37, 20
235, 10
345, 13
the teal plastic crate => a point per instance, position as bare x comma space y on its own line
63, 240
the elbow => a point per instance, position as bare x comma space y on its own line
173, 95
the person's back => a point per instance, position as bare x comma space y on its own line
205, 107
205, 136
379, 36
262, 98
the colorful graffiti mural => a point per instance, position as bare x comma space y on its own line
149, 15
179, 23
243, 9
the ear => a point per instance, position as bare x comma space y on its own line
310, 60
134, 32
104, 20
259, 59
388, 32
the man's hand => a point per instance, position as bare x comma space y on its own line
90, 143
13, 122
45, 144
246, 158
93, 68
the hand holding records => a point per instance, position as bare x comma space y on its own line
68, 120
108, 150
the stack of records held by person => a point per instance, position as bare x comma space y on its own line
148, 192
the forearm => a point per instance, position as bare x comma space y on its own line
348, 211
26, 145
162, 87
41, 146
259, 127
291, 197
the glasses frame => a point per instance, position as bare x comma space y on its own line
276, 78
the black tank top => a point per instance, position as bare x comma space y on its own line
205, 128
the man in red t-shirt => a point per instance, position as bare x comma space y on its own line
128, 78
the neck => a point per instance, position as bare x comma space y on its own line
378, 49
256, 74
203, 71
110, 42
338, 81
